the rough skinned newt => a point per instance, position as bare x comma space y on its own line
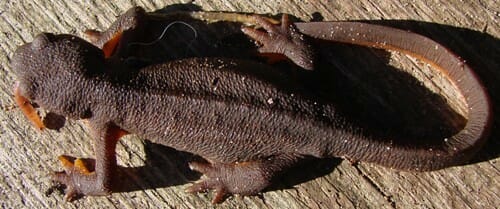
253, 126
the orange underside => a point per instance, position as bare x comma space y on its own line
110, 46
116, 133
28, 109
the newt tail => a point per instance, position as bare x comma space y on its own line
455, 150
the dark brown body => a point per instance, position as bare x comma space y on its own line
247, 119
220, 109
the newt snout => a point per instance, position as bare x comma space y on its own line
48, 70
23, 69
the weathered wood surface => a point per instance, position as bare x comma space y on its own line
470, 28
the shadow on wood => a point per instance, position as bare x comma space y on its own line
481, 52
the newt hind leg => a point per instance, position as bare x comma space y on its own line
243, 178
282, 39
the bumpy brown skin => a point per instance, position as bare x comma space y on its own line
245, 118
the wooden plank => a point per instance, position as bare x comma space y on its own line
470, 28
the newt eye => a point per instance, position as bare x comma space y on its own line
41, 40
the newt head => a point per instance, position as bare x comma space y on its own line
50, 72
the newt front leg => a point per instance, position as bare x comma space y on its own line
110, 40
80, 178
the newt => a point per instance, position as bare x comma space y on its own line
252, 127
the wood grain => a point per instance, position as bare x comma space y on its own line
469, 28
